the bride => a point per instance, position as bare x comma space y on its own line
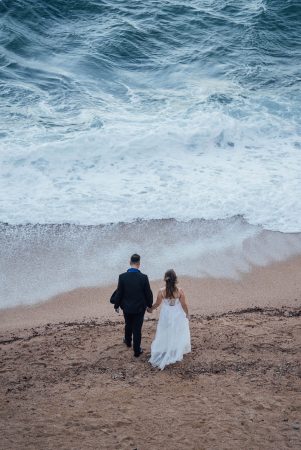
172, 338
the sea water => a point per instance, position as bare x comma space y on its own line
166, 117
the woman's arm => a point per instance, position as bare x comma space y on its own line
182, 299
158, 301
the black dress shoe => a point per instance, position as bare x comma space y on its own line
128, 344
138, 354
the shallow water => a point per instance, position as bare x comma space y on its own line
40, 261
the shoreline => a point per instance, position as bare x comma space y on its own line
40, 262
275, 285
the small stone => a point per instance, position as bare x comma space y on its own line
296, 426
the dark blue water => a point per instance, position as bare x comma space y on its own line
109, 108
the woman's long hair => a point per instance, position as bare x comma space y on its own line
171, 280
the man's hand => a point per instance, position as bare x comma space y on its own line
117, 310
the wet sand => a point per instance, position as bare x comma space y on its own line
276, 285
68, 381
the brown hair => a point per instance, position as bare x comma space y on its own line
171, 280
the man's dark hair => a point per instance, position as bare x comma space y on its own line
135, 259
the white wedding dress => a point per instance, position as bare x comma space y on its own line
172, 338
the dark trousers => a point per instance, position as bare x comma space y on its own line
133, 325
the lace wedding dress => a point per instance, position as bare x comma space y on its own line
172, 338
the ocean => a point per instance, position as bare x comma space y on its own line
171, 128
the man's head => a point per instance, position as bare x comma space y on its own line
135, 260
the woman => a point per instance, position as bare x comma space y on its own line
172, 338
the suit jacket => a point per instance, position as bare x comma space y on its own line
133, 294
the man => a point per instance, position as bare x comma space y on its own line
133, 296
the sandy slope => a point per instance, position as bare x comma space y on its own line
76, 386
67, 381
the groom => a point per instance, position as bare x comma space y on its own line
133, 296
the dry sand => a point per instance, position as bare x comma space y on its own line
68, 382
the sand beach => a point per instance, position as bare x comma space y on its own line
68, 381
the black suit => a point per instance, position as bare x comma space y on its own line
133, 296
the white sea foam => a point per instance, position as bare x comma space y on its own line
209, 165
